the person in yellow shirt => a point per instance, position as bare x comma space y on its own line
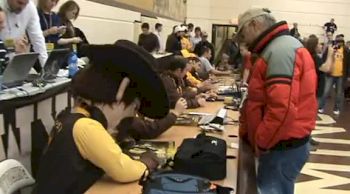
185, 41
337, 76
118, 82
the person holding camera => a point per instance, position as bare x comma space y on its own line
336, 60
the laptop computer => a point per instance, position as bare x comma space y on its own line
52, 66
18, 69
54, 63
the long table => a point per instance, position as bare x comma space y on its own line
177, 134
26, 117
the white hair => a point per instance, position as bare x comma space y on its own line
268, 20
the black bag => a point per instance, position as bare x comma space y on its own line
203, 156
167, 182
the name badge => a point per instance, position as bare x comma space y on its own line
9, 43
50, 47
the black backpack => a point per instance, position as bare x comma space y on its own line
203, 156
169, 182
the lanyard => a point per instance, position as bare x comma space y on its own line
48, 24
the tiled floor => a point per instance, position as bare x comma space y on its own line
328, 168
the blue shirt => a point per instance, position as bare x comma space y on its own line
46, 22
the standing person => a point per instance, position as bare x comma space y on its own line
233, 51
22, 18
158, 32
185, 40
337, 75
80, 150
330, 26
280, 111
69, 11
197, 36
50, 22
173, 43
347, 46
295, 31
147, 39
190, 27
247, 63
205, 43
314, 47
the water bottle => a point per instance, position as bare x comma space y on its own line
72, 64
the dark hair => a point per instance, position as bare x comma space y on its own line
195, 59
190, 25
203, 50
103, 87
1, 9
311, 44
158, 25
177, 62
145, 25
197, 29
312, 36
42, 3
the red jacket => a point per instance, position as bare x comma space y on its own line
281, 102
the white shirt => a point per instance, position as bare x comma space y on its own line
26, 22
160, 40
195, 40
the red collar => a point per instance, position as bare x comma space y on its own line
280, 28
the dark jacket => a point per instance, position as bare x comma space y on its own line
173, 44
149, 42
320, 75
62, 167
235, 56
80, 51
175, 89
140, 128
295, 33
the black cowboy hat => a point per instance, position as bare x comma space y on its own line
125, 57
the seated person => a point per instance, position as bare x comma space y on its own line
173, 82
143, 128
80, 149
193, 80
223, 65
206, 67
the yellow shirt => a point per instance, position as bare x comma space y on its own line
186, 42
194, 81
338, 63
96, 145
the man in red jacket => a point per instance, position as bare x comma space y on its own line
280, 111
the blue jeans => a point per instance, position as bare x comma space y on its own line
278, 170
339, 90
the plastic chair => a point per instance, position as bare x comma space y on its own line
13, 177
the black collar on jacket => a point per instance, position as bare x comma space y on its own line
278, 29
